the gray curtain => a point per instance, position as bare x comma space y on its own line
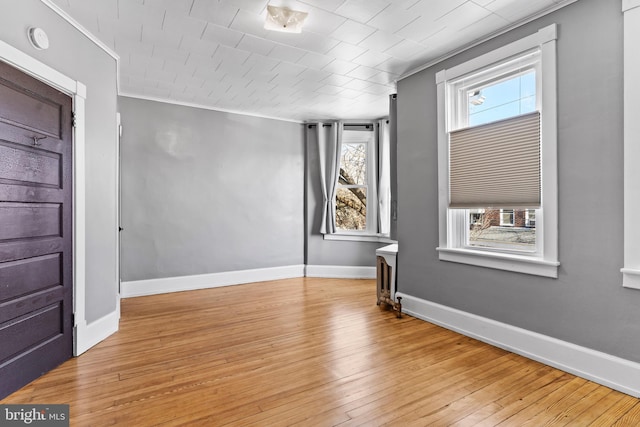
328, 137
384, 178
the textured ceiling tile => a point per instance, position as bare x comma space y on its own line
105, 9
222, 35
363, 72
179, 6
330, 5
391, 19
339, 66
286, 53
464, 16
421, 29
198, 46
432, 10
357, 84
337, 80
380, 41
288, 69
361, 10
346, 51
261, 62
315, 42
126, 70
170, 54
513, 11
256, 74
182, 80
152, 36
184, 25
130, 11
249, 23
146, 62
126, 46
253, 6
350, 93
322, 22
406, 49
315, 75
371, 58
215, 12
330, 89
314, 60
352, 32
256, 45
202, 61
117, 28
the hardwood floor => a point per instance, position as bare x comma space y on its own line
309, 352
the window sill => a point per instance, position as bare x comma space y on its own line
501, 261
359, 238
630, 278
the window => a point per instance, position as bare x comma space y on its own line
353, 182
506, 217
530, 218
362, 185
497, 158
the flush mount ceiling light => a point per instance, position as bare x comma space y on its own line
284, 19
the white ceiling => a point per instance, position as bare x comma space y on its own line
344, 64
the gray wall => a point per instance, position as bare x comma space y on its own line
586, 305
74, 55
207, 192
329, 252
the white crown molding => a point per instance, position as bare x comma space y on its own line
205, 107
64, 15
614, 372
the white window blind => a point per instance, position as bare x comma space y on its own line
496, 164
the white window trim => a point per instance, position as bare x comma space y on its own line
631, 269
545, 263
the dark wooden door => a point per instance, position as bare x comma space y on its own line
36, 273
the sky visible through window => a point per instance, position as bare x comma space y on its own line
504, 99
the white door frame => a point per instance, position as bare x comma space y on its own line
78, 92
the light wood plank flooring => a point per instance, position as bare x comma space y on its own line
309, 352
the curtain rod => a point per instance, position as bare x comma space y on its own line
365, 125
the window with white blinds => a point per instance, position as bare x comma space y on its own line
497, 157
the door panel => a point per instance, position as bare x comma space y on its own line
36, 274
20, 164
30, 275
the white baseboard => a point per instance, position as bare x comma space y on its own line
203, 281
611, 371
340, 272
86, 335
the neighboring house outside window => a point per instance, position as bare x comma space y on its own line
497, 145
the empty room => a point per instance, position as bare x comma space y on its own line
320, 212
